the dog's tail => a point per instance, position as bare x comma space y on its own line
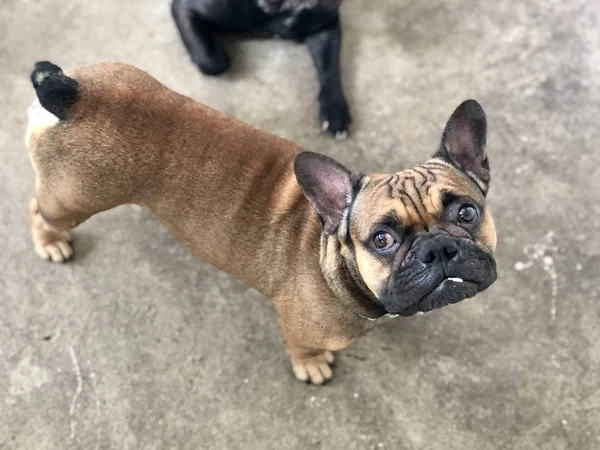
56, 92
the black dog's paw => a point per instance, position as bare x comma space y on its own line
335, 116
213, 64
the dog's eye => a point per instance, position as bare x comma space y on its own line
383, 240
467, 214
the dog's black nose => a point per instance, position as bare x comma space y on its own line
440, 248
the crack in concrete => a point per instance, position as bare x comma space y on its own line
78, 391
96, 401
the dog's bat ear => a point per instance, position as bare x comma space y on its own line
464, 141
327, 185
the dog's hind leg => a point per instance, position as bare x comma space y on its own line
210, 57
56, 207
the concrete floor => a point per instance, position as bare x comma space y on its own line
138, 345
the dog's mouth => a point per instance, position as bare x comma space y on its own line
449, 291
421, 286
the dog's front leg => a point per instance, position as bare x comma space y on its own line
210, 57
325, 49
310, 350
311, 365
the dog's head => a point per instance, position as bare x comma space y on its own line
418, 239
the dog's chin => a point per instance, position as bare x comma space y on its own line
449, 291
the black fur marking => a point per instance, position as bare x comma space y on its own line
389, 220
392, 184
56, 91
421, 210
427, 176
409, 202
450, 197
431, 180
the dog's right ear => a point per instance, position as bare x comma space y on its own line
327, 185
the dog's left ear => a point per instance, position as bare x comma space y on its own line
464, 141
327, 185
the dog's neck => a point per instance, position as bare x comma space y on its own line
346, 285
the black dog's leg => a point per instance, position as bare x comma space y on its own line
210, 57
325, 49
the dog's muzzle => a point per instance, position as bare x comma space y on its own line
438, 270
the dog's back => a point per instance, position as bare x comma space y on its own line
110, 134
294, 19
77, 128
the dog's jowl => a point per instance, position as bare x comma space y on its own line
336, 251
315, 22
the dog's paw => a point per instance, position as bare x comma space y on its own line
335, 116
50, 244
213, 64
314, 369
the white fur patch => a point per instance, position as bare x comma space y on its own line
296, 6
482, 186
478, 181
441, 162
40, 76
39, 119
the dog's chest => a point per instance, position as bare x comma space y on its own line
286, 15
293, 7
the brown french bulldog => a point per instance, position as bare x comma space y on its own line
245, 201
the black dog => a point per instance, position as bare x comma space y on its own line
314, 21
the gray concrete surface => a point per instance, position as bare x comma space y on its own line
138, 345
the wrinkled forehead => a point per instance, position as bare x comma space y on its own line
414, 196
